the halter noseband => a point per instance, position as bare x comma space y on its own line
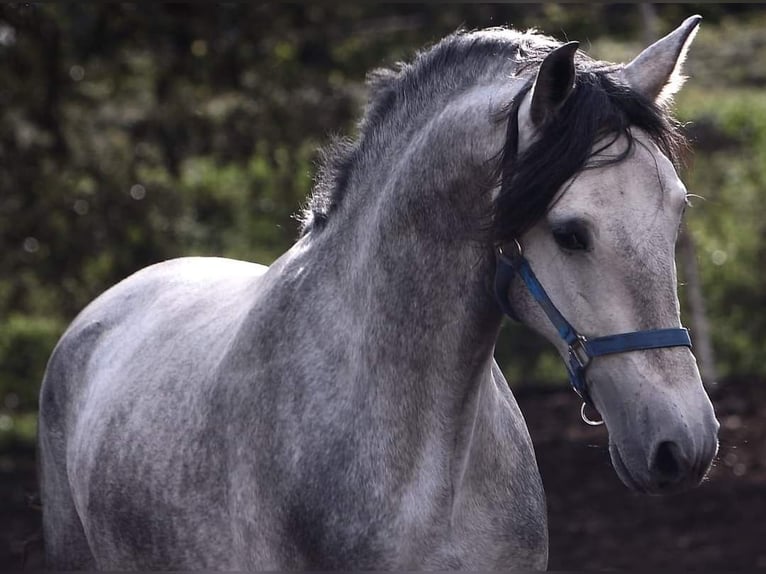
581, 349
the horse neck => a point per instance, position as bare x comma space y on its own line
416, 269
428, 316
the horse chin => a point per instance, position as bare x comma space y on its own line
642, 486
623, 472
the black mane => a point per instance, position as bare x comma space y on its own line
599, 106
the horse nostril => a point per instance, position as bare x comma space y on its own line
668, 465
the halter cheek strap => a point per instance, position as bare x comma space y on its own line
581, 349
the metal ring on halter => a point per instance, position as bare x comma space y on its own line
588, 421
518, 248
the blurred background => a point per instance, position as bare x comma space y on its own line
133, 133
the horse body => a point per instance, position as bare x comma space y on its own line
228, 473
342, 408
269, 424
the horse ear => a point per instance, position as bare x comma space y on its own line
554, 82
656, 72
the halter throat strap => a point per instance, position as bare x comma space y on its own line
582, 350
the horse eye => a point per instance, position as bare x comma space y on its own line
572, 237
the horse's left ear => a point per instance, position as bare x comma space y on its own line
554, 82
656, 72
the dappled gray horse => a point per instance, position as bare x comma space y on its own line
341, 409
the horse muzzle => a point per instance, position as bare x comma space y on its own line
670, 466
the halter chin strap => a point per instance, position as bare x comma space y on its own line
581, 349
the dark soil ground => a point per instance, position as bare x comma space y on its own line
595, 522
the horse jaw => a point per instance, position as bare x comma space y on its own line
657, 71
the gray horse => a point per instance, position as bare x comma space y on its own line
341, 409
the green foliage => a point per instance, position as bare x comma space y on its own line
239, 209
729, 170
19, 427
131, 133
25, 344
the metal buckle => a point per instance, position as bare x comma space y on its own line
580, 352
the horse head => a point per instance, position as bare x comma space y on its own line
597, 144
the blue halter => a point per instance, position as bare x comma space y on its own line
581, 349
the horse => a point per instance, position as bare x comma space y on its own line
341, 408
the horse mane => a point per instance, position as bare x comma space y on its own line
599, 106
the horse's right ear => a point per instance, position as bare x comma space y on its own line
554, 82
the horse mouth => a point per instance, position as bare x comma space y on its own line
657, 484
622, 470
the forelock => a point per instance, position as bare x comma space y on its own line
600, 109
